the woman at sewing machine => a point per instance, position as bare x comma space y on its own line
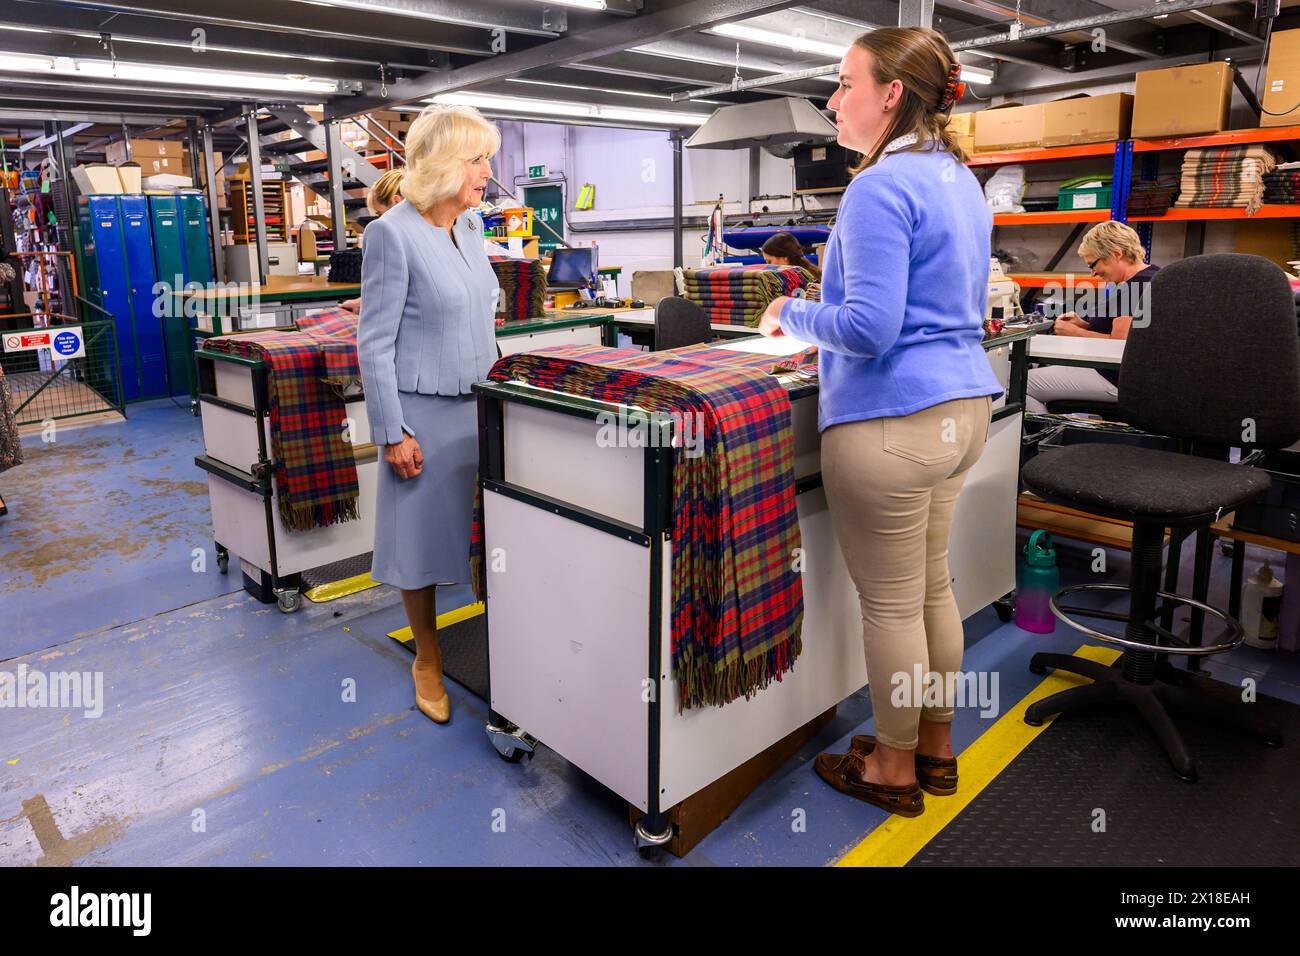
783, 249
1113, 253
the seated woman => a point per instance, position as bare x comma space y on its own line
1114, 253
783, 249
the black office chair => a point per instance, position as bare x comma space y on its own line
680, 322
1219, 359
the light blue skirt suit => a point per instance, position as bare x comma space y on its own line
426, 334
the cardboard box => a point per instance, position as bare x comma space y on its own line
1182, 101
174, 166
1087, 119
1010, 126
142, 149
97, 179
962, 127
1282, 80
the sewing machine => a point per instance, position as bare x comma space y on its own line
1004, 295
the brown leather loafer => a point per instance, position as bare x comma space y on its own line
936, 775
844, 773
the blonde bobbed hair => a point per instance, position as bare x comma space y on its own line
386, 191
1110, 237
441, 140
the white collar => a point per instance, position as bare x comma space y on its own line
898, 142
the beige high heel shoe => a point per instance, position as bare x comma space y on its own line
439, 711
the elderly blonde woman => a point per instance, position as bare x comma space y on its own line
426, 334
1113, 253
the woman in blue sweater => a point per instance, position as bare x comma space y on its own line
906, 395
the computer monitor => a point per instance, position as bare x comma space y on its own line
571, 268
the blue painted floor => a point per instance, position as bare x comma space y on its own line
225, 737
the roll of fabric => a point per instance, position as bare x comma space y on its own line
737, 601
523, 288
1225, 177
11, 446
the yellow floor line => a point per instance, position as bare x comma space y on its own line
898, 839
404, 634
338, 589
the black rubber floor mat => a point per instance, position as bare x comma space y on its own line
338, 571
1095, 789
464, 653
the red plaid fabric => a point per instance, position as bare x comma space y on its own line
315, 472
335, 331
739, 296
737, 608
523, 288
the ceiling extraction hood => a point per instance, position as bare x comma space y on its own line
780, 121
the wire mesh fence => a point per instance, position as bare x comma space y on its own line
46, 388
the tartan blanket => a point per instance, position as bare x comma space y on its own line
315, 472
737, 601
11, 447
739, 296
335, 332
523, 288
1225, 176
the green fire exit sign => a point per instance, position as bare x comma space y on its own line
537, 172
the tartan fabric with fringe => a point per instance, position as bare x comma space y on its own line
11, 446
315, 472
1225, 176
740, 295
523, 288
737, 601
335, 331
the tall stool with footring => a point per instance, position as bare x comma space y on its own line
1218, 365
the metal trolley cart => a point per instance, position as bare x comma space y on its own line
236, 455
570, 524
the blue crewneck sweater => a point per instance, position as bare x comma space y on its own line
904, 289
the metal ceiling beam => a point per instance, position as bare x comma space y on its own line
46, 140
684, 17
81, 116
685, 73
484, 15
150, 31
83, 48
976, 44
1024, 81
1216, 24
1047, 12
199, 94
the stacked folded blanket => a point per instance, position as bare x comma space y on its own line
737, 600
1225, 176
315, 471
740, 295
1152, 198
523, 288
1282, 185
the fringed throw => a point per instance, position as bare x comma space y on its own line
737, 596
315, 471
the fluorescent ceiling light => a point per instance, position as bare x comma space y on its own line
585, 4
976, 74
562, 109
603, 89
797, 44
143, 72
178, 44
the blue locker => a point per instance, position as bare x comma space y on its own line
114, 288
138, 245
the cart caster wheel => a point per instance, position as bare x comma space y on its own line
1005, 612
513, 755
650, 853
223, 563
289, 601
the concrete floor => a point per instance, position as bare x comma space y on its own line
225, 738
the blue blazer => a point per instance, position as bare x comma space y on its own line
428, 313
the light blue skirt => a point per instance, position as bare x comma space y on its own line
422, 524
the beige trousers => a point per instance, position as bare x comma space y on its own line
892, 486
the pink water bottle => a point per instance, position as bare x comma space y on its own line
1037, 581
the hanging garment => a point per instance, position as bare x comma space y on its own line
11, 448
737, 599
